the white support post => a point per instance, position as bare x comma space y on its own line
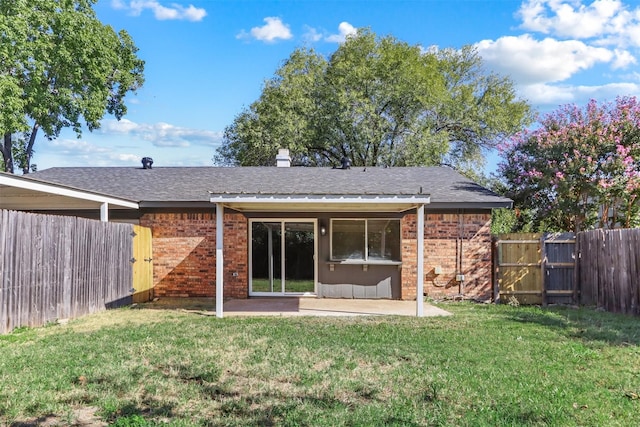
420, 281
219, 258
104, 212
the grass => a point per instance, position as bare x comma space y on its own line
262, 285
485, 366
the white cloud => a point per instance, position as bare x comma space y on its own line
162, 134
75, 147
273, 30
344, 30
311, 35
74, 152
569, 19
606, 22
554, 95
580, 36
530, 61
623, 59
173, 12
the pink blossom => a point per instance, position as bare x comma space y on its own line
604, 183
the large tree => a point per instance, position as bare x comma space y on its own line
59, 67
580, 168
377, 101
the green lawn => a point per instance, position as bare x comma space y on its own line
262, 285
485, 366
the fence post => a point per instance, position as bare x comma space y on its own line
543, 267
495, 249
576, 268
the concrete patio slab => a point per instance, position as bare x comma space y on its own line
300, 306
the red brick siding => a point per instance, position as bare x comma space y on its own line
236, 252
184, 249
409, 273
445, 235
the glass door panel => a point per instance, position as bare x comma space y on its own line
266, 257
299, 265
282, 257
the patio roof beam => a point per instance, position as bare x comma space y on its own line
309, 199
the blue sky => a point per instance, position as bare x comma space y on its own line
207, 60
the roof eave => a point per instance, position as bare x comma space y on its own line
50, 188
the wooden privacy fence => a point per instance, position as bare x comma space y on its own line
609, 269
535, 268
598, 267
56, 267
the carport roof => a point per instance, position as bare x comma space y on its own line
20, 193
445, 187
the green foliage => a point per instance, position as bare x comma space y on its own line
503, 221
580, 168
60, 67
377, 102
131, 421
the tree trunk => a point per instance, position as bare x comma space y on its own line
26, 168
7, 153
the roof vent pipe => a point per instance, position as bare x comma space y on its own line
147, 162
345, 163
283, 160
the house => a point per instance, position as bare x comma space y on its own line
238, 232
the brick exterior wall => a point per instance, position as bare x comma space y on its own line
184, 249
409, 245
454, 243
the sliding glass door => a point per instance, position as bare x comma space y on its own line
282, 257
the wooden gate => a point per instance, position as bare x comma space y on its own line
142, 264
535, 268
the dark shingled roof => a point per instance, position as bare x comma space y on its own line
194, 184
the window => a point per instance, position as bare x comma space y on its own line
365, 239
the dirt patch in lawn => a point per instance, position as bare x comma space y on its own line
80, 417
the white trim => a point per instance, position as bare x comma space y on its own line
420, 256
28, 184
337, 199
219, 259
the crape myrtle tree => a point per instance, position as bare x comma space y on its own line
59, 67
580, 168
377, 102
